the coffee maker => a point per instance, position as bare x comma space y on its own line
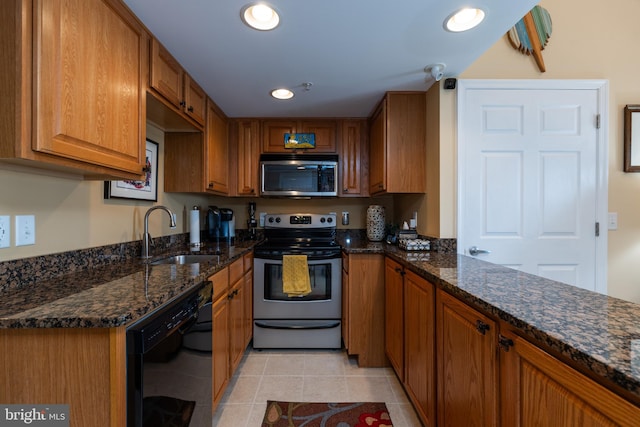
220, 225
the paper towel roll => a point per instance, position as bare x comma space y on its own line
194, 227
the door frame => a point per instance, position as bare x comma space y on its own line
602, 153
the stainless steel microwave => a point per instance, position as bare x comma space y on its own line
299, 175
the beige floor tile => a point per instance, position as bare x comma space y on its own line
310, 376
232, 415
324, 389
280, 387
285, 365
242, 390
369, 389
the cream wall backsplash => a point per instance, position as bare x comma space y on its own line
72, 214
589, 41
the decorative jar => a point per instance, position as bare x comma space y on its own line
375, 223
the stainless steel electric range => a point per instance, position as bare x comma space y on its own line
311, 321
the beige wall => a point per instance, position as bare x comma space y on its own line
72, 214
590, 40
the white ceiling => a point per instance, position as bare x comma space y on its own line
353, 51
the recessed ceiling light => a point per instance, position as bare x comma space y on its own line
282, 94
260, 16
464, 19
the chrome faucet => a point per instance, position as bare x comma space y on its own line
146, 237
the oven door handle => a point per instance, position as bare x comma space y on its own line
328, 325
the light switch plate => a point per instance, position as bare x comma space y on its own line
25, 230
5, 231
613, 221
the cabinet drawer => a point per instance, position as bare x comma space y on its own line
220, 282
236, 271
248, 261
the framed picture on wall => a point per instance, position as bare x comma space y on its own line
146, 189
632, 138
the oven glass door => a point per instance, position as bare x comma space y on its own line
319, 275
324, 302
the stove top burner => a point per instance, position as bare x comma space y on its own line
310, 234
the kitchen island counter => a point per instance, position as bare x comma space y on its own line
109, 295
597, 334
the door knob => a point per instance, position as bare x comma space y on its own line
474, 250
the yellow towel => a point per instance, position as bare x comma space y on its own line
295, 275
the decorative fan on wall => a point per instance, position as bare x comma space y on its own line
531, 34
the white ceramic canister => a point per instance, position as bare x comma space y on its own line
375, 223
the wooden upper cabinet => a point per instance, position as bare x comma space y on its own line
79, 102
217, 145
397, 152
354, 159
247, 157
273, 132
168, 79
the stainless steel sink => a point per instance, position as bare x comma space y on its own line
187, 259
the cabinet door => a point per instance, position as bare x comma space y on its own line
236, 325
377, 150
366, 308
325, 134
273, 135
394, 321
467, 368
345, 303
405, 146
220, 347
217, 151
539, 390
90, 77
419, 345
354, 160
248, 308
167, 76
195, 100
248, 298
248, 157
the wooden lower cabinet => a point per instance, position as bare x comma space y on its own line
363, 315
52, 366
419, 346
232, 324
220, 347
467, 364
410, 336
394, 315
539, 390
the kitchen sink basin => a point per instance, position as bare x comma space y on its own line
187, 259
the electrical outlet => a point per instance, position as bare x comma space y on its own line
5, 231
25, 230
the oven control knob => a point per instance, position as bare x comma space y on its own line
270, 219
322, 220
329, 220
278, 220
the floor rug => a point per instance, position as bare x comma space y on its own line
298, 414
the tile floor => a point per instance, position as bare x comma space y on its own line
307, 375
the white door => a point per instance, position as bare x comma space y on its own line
532, 171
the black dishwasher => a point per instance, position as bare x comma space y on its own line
168, 383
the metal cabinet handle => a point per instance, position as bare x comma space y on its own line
482, 327
474, 250
190, 109
505, 343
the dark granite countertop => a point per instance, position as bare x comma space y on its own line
599, 334
108, 295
